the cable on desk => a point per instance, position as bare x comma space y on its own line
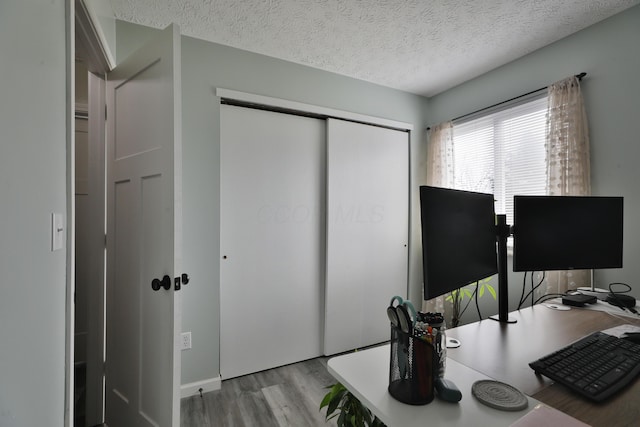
618, 316
524, 297
469, 302
548, 297
477, 304
615, 297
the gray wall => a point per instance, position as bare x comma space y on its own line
609, 53
33, 170
205, 67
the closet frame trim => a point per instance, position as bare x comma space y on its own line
244, 99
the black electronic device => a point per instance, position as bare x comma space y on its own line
578, 300
567, 232
621, 300
458, 238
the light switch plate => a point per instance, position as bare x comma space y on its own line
57, 231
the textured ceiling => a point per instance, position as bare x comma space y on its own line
418, 46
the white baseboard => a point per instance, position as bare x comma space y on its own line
193, 389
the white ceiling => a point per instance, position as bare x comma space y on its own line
418, 46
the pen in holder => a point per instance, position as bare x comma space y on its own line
413, 367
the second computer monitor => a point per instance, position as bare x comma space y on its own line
567, 232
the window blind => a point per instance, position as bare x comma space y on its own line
503, 152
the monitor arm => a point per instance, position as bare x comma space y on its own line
503, 231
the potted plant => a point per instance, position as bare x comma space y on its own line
350, 412
457, 297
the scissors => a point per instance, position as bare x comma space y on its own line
401, 318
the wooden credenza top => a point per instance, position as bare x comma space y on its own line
503, 352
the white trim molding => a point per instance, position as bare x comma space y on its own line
96, 28
193, 389
324, 112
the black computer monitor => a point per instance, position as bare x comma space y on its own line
458, 238
567, 232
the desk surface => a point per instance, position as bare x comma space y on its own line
366, 374
503, 352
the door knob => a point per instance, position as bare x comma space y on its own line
165, 283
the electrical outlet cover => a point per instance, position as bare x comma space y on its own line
186, 340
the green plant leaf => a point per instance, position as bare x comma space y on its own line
333, 391
334, 403
325, 400
492, 291
350, 412
333, 399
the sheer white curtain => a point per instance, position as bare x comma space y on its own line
568, 163
439, 174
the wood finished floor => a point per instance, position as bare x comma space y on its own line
280, 397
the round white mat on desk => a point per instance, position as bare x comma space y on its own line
499, 395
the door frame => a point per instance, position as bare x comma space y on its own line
97, 254
85, 43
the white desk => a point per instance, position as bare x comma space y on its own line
366, 374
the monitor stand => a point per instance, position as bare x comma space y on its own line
502, 232
599, 293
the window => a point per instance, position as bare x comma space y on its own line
503, 152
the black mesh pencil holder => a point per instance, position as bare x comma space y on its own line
413, 367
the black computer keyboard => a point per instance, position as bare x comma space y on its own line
596, 366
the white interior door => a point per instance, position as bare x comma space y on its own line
367, 232
272, 239
144, 235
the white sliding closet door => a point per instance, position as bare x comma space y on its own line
272, 239
367, 232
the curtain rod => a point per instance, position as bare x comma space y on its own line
578, 76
